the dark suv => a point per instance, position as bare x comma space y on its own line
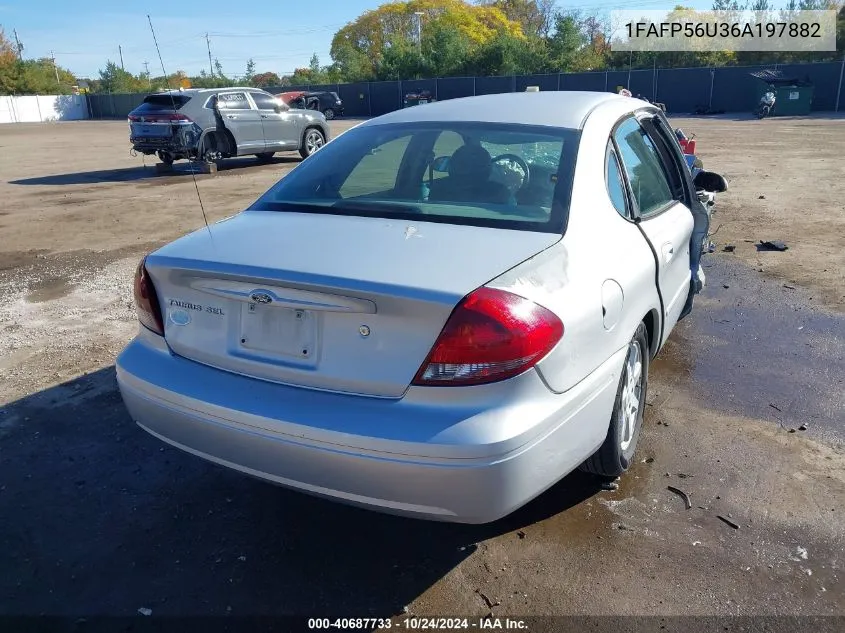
329, 103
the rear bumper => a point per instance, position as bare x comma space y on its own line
423, 467
165, 145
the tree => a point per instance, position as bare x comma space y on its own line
8, 63
250, 70
314, 64
536, 17
358, 48
567, 42
218, 69
116, 80
401, 59
265, 80
506, 54
446, 53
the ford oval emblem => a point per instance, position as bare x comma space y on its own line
261, 297
180, 317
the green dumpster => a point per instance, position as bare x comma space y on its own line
793, 97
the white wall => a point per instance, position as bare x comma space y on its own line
27, 109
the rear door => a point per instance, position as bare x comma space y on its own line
154, 120
659, 196
281, 129
242, 120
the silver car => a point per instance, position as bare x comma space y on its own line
440, 314
220, 123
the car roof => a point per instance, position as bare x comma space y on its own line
197, 91
563, 109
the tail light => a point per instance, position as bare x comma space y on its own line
146, 301
490, 336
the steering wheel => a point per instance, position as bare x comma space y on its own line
521, 166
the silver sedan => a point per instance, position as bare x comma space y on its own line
440, 314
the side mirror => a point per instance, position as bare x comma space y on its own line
441, 164
710, 181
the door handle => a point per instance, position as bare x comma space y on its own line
231, 116
263, 116
668, 252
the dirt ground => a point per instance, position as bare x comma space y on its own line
746, 412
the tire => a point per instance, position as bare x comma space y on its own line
312, 140
616, 455
329, 114
166, 157
265, 156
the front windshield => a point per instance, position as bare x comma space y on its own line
485, 174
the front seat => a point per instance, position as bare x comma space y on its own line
469, 179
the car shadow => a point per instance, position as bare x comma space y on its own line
149, 172
101, 518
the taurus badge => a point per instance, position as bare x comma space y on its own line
260, 297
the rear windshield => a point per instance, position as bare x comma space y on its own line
154, 103
483, 174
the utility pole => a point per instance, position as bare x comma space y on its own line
55, 68
210, 65
18, 45
419, 15
120, 49
149, 79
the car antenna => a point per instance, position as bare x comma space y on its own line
173, 101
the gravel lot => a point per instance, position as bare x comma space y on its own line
98, 518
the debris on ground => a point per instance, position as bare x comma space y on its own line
789, 287
803, 427
648, 460
728, 521
521, 534
775, 407
145, 611
799, 554
684, 475
682, 495
729, 248
772, 245
490, 603
725, 286
610, 485
761, 197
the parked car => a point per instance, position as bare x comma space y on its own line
210, 124
329, 103
440, 314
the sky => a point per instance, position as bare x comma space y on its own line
280, 35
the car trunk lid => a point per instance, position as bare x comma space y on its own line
341, 303
157, 118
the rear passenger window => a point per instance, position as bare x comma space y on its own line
644, 168
615, 182
232, 101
